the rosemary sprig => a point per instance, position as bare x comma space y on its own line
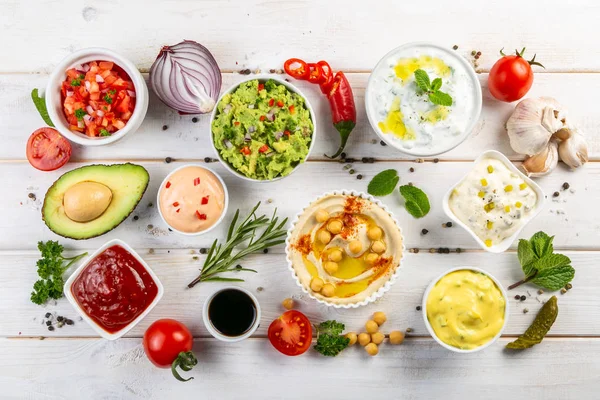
220, 257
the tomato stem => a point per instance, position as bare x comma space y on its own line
186, 360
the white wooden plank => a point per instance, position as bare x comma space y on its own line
420, 368
187, 140
579, 314
261, 33
578, 227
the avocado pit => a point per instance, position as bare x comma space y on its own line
86, 201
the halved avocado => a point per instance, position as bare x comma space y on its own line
127, 182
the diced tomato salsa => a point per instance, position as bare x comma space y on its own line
98, 98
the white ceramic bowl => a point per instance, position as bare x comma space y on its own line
54, 103
93, 324
430, 328
505, 244
218, 335
373, 120
374, 296
225, 207
292, 88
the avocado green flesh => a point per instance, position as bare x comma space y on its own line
127, 182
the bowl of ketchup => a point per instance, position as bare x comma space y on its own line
114, 289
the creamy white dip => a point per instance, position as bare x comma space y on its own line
405, 117
493, 201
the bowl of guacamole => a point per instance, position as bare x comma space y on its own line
263, 129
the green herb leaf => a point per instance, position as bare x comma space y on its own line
436, 84
526, 256
417, 203
80, 113
40, 104
104, 132
554, 278
383, 183
541, 244
422, 80
108, 99
440, 98
330, 342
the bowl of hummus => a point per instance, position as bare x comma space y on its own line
344, 250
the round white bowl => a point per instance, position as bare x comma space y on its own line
374, 296
477, 94
54, 102
430, 328
218, 335
225, 207
262, 79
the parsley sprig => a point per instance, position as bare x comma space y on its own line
330, 341
541, 265
432, 89
51, 268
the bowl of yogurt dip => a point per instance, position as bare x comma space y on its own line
465, 309
494, 201
192, 199
404, 117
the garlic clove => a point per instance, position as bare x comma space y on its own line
543, 162
574, 151
533, 122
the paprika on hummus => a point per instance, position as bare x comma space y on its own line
344, 248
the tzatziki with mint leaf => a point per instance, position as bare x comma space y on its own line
423, 99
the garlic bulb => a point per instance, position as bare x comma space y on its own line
533, 124
573, 150
543, 162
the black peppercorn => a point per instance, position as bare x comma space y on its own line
517, 297
69, 321
383, 143
343, 155
168, 160
448, 224
194, 120
165, 127
566, 185
424, 232
203, 251
48, 323
455, 47
50, 328
48, 315
359, 176
265, 251
206, 159
411, 169
436, 160
365, 160
60, 318
523, 298
135, 217
556, 194
418, 308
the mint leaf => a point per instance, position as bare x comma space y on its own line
417, 203
551, 261
383, 183
422, 80
40, 104
554, 278
436, 84
542, 244
440, 98
526, 256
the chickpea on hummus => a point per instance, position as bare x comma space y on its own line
344, 248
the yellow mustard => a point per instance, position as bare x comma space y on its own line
466, 309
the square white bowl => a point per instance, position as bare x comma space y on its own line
93, 324
505, 244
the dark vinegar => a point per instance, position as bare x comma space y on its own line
232, 312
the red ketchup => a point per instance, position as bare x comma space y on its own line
114, 289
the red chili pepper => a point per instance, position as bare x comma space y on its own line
200, 216
263, 149
204, 200
196, 181
271, 102
328, 77
343, 109
175, 204
262, 118
280, 104
316, 74
179, 209
245, 150
261, 86
168, 185
236, 123
296, 68
287, 133
292, 109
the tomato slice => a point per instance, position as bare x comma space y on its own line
296, 68
327, 77
47, 150
291, 333
315, 73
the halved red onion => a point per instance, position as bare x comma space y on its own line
79, 68
186, 77
247, 137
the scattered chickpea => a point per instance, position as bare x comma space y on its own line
364, 339
331, 267
322, 215
377, 338
316, 284
324, 237
371, 258
372, 349
379, 317
355, 246
288, 303
378, 246
353, 338
335, 226
328, 290
396, 337
335, 255
374, 233
371, 326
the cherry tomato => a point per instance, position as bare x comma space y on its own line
511, 77
291, 333
47, 150
168, 343
296, 68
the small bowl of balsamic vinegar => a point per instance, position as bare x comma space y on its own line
231, 314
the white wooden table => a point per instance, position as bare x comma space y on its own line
74, 363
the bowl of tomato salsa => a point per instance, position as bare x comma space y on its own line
114, 289
96, 97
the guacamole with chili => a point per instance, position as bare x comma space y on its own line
263, 130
